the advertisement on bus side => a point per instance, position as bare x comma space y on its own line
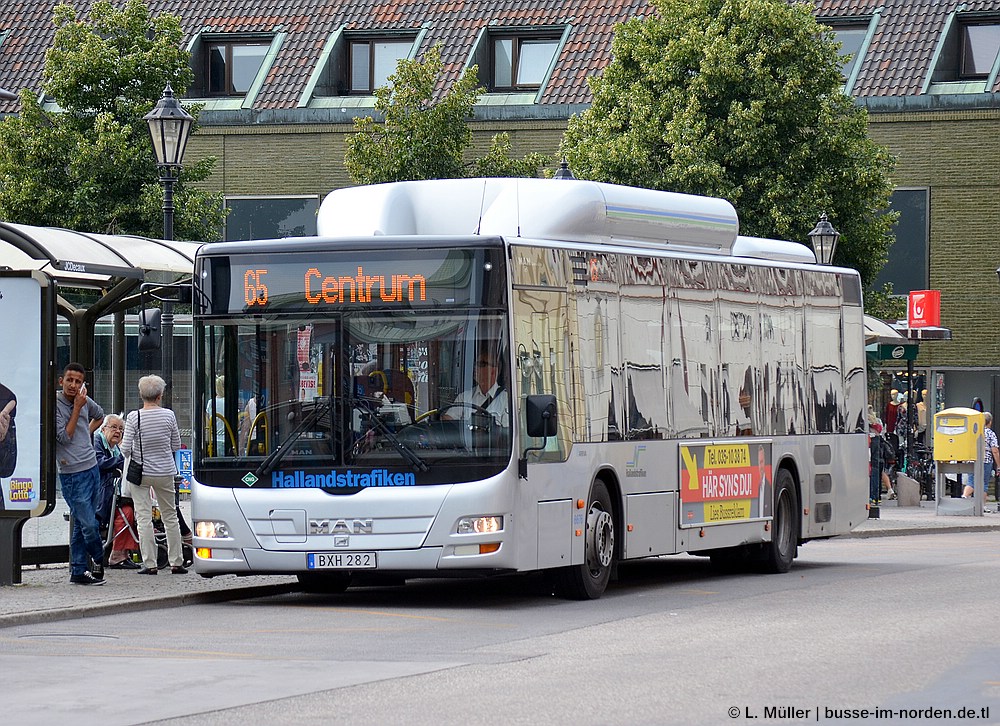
728, 482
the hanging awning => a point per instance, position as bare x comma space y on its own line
885, 343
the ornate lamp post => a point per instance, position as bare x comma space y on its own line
564, 171
824, 240
169, 127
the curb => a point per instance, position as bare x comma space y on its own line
907, 531
148, 603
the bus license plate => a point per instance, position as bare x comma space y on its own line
342, 561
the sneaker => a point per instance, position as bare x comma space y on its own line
85, 579
97, 571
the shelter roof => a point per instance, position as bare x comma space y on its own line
79, 259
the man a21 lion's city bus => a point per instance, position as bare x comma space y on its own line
485, 376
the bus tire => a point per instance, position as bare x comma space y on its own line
589, 580
324, 583
778, 554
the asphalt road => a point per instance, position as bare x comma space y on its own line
903, 624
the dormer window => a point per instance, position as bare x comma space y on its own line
355, 63
520, 62
373, 60
980, 46
232, 66
851, 37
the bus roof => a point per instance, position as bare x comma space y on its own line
545, 209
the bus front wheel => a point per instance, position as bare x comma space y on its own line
589, 580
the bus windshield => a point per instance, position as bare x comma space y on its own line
400, 390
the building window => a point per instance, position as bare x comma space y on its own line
520, 62
980, 45
270, 217
232, 66
909, 256
851, 37
372, 61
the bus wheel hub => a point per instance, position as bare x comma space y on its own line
601, 542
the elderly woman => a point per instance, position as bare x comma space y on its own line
110, 463
152, 437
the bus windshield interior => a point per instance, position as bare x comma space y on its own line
411, 389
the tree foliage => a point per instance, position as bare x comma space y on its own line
424, 137
740, 99
89, 165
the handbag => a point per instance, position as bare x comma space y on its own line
133, 474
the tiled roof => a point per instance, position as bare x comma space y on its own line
897, 62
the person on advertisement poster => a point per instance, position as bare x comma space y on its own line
8, 435
764, 489
77, 418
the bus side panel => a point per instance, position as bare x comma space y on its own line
650, 524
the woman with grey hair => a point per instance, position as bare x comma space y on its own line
152, 437
110, 462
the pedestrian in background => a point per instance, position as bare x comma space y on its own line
992, 455
151, 435
77, 418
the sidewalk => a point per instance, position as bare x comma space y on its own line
45, 594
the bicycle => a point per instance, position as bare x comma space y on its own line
921, 469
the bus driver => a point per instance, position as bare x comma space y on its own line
487, 394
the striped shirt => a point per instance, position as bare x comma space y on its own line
160, 439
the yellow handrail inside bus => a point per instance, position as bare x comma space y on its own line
211, 437
252, 428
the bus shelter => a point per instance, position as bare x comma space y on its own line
111, 267
91, 276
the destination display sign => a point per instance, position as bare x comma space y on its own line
338, 281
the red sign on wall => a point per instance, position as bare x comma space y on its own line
924, 309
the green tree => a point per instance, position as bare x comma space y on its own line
424, 137
740, 99
89, 164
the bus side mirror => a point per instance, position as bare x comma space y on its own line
149, 329
540, 411
540, 422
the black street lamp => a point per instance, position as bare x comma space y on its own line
824, 240
564, 171
169, 127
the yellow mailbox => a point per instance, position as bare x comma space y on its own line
958, 433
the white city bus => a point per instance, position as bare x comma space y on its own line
649, 383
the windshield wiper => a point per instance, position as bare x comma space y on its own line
415, 461
272, 460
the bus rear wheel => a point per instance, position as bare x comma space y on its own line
778, 554
589, 580
324, 583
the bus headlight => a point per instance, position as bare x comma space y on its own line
482, 524
211, 529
